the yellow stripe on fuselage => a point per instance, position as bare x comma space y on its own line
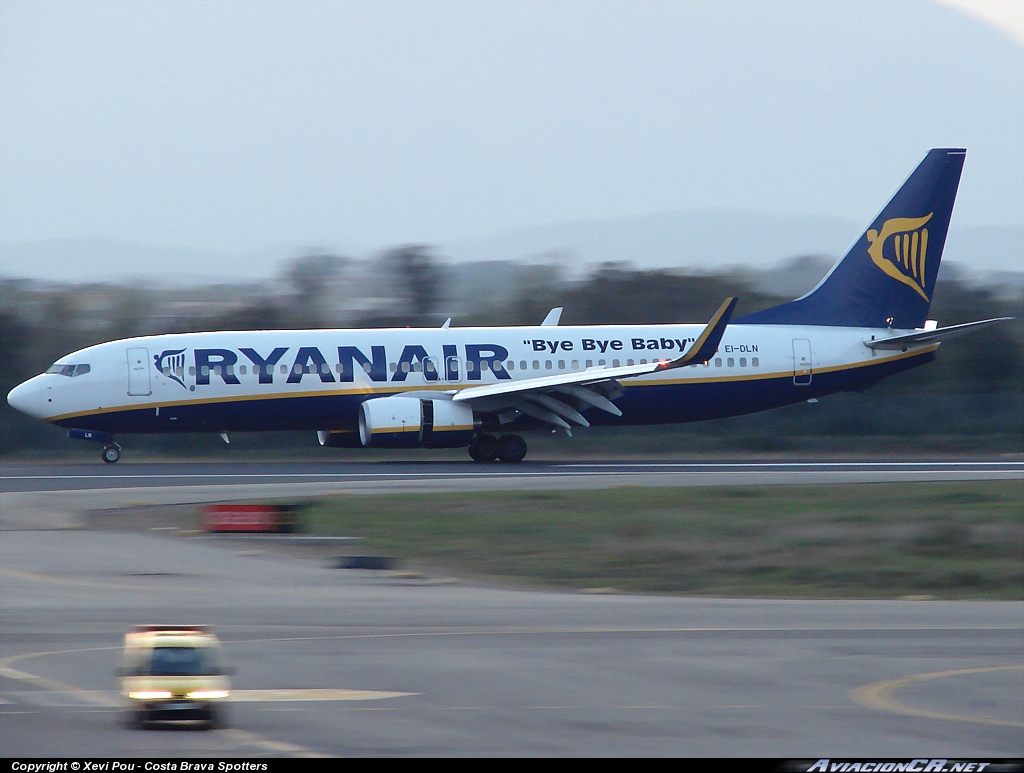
448, 387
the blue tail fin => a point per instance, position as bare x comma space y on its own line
888, 276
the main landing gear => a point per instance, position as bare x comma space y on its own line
507, 448
111, 453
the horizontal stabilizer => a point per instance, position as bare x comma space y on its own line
925, 336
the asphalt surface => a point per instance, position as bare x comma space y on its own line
56, 477
348, 662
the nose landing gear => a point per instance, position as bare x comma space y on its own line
111, 453
507, 448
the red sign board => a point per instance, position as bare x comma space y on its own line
249, 518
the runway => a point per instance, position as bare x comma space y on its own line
43, 477
342, 662
37, 494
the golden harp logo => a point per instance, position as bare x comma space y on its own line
901, 250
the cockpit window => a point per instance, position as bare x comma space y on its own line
68, 370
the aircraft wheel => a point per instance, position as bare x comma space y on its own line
110, 454
484, 448
511, 448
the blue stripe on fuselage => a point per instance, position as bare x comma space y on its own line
648, 404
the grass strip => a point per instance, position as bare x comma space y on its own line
944, 540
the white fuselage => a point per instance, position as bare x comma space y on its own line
316, 379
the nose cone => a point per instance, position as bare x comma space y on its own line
27, 398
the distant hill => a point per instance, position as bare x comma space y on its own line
708, 241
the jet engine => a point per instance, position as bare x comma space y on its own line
407, 422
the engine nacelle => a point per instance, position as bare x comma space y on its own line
407, 422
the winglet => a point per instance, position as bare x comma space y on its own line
707, 342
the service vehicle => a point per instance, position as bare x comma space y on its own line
174, 672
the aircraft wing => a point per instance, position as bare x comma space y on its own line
535, 396
925, 336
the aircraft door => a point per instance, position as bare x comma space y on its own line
802, 367
138, 371
453, 369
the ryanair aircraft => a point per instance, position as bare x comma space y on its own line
479, 387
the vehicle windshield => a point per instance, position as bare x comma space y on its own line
184, 661
63, 369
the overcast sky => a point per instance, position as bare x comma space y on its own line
229, 126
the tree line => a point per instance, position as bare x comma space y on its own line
970, 398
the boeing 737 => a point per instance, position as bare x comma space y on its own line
481, 386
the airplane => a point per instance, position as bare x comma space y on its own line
479, 387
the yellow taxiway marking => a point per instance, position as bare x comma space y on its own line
105, 700
879, 695
90, 696
19, 574
253, 696
244, 738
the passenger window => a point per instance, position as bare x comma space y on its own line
511, 365
561, 364
575, 364
643, 361
547, 364
366, 367
230, 369
601, 363
394, 367
284, 369
297, 368
205, 371
417, 367
615, 363
242, 369
522, 365
755, 362
483, 365
590, 363
629, 362
536, 364
470, 366
405, 367
730, 362
191, 370
743, 362
718, 362
428, 366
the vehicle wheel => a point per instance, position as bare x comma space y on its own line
484, 448
511, 448
217, 720
110, 454
134, 719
